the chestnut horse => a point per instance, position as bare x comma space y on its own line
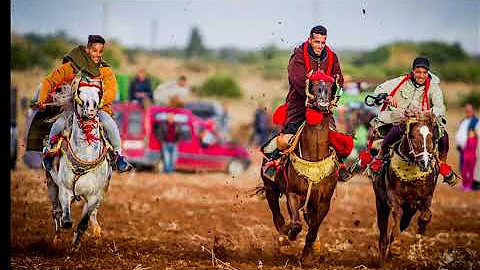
309, 175
407, 182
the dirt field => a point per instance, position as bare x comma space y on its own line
154, 221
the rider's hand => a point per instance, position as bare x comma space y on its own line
392, 102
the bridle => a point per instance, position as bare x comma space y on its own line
425, 132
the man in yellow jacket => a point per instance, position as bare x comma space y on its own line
89, 60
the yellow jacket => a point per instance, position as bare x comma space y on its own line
66, 73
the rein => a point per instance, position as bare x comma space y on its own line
79, 166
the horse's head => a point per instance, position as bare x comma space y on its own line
87, 98
319, 92
420, 136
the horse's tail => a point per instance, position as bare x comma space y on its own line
257, 191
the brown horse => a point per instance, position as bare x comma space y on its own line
310, 175
407, 182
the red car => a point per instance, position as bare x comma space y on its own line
142, 148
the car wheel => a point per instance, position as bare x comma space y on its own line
235, 167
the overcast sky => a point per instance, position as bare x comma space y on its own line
254, 24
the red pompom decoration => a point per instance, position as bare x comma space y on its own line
376, 165
320, 76
342, 143
280, 115
445, 169
314, 117
365, 158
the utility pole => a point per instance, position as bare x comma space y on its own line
315, 12
153, 34
105, 19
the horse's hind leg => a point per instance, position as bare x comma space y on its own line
425, 216
56, 209
383, 212
272, 193
90, 206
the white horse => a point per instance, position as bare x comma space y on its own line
82, 169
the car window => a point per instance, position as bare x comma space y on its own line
185, 132
178, 117
134, 123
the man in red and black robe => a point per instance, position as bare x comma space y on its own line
310, 57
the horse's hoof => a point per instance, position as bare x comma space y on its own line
75, 248
67, 224
97, 232
395, 248
283, 241
294, 231
56, 240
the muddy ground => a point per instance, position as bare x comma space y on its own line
157, 221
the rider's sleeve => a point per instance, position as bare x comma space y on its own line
436, 99
297, 74
336, 70
57, 76
109, 86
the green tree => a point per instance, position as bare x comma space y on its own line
195, 45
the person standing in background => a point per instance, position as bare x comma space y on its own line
168, 133
470, 124
140, 88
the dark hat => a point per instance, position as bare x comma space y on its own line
421, 62
95, 39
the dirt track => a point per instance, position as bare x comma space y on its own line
154, 221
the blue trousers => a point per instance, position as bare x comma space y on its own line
170, 155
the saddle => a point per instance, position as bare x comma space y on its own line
313, 171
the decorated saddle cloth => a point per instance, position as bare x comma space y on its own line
38, 127
407, 171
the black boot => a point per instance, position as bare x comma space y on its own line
47, 160
269, 168
122, 164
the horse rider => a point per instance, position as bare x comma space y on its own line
311, 56
89, 60
417, 90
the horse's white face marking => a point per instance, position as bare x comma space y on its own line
424, 131
90, 97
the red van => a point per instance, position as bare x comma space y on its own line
142, 148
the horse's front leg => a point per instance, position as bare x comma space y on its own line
65, 198
97, 230
425, 215
56, 209
89, 207
296, 224
316, 214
